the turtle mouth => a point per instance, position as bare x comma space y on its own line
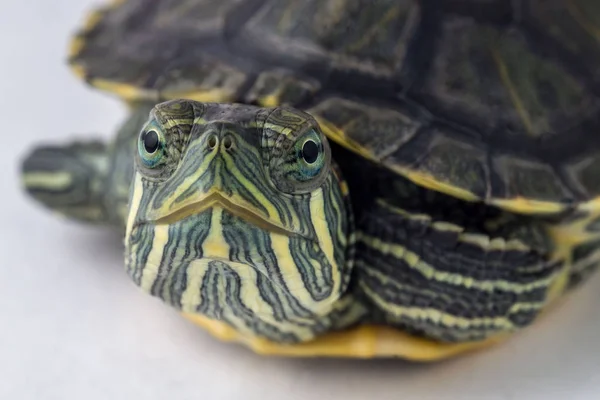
218, 200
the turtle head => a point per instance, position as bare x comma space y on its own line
237, 213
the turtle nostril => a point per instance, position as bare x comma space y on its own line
212, 142
228, 142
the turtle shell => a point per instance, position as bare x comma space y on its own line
486, 100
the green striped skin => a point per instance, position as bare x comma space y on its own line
69, 180
86, 181
437, 279
436, 266
227, 219
239, 234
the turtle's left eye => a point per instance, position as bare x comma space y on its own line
310, 151
310, 157
304, 166
151, 146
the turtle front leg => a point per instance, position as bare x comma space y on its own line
452, 282
69, 180
86, 181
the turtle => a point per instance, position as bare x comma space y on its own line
343, 178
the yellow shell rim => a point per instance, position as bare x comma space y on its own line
365, 341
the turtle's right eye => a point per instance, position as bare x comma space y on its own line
151, 141
151, 146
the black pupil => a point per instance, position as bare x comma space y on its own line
310, 152
150, 139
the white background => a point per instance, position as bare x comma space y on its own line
72, 325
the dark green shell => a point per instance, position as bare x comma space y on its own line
482, 99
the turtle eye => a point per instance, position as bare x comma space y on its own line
310, 157
150, 139
310, 151
151, 146
305, 164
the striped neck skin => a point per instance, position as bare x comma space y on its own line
237, 213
